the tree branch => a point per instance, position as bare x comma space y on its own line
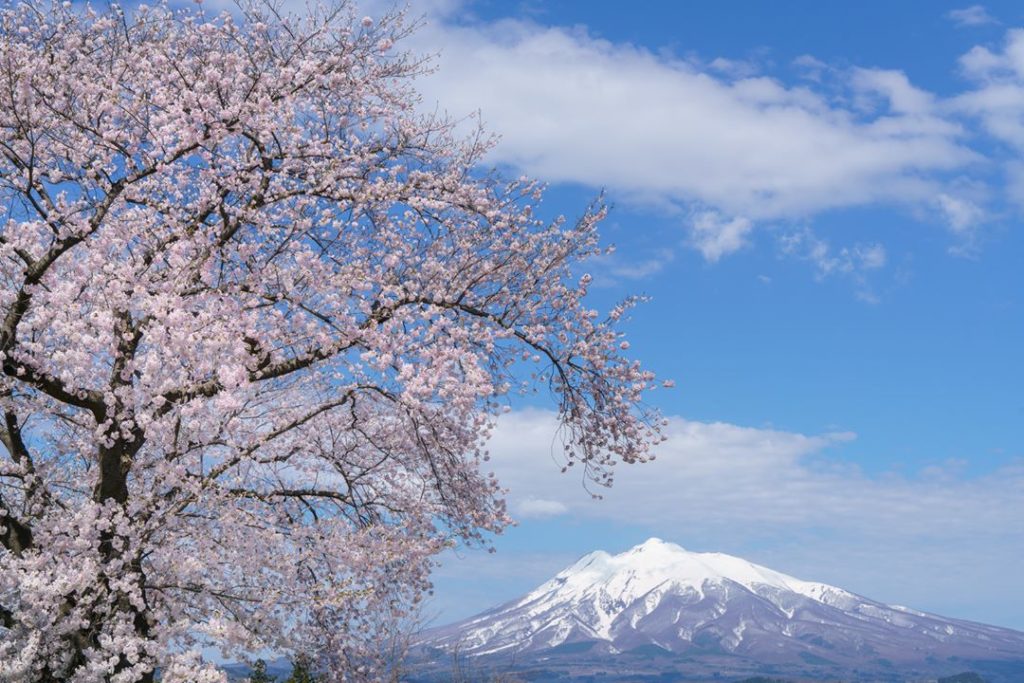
54, 388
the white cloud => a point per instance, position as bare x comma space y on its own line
998, 99
746, 481
975, 15
870, 256
572, 107
962, 214
538, 508
997, 102
715, 236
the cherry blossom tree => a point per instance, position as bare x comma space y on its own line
257, 319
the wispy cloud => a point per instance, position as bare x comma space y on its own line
853, 262
975, 15
614, 267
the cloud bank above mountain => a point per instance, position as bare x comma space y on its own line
937, 539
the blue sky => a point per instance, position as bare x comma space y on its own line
824, 203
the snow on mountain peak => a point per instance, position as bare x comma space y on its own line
653, 563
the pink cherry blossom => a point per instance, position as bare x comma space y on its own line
257, 321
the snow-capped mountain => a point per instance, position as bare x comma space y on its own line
659, 598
